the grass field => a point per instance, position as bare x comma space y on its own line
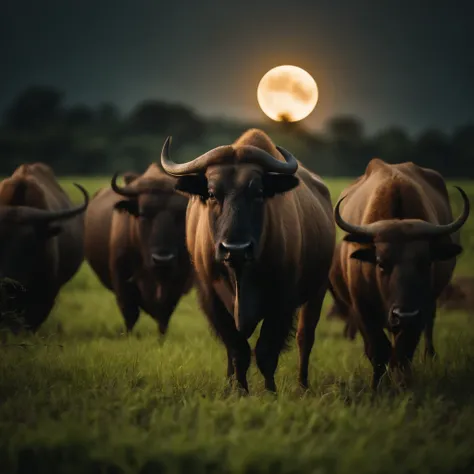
82, 397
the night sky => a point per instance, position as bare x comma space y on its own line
390, 62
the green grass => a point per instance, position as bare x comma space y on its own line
82, 397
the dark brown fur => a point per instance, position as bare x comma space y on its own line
389, 193
41, 258
290, 272
117, 252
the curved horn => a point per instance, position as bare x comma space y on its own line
420, 229
433, 230
32, 215
123, 191
350, 228
252, 154
199, 164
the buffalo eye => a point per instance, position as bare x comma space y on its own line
214, 196
384, 266
145, 214
211, 196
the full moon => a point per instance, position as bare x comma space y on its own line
287, 93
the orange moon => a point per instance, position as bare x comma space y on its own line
287, 92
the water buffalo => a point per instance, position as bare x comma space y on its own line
261, 235
41, 242
398, 255
135, 243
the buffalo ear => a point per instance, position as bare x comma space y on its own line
278, 184
365, 255
128, 205
358, 238
444, 251
195, 185
130, 177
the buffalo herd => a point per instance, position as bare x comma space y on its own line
254, 232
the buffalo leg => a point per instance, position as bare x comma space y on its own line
127, 301
404, 350
38, 313
307, 322
350, 329
430, 351
130, 312
230, 365
165, 311
222, 322
343, 311
377, 349
270, 343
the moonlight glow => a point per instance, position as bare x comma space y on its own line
287, 92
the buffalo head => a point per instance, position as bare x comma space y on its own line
24, 234
160, 214
233, 183
403, 252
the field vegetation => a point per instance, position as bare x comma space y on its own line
81, 396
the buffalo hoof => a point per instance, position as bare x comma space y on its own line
162, 329
305, 388
241, 392
380, 381
271, 393
270, 386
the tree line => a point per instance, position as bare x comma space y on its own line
38, 125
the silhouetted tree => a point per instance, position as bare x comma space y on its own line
79, 116
432, 149
393, 145
345, 129
107, 117
160, 118
348, 145
149, 117
87, 140
36, 107
463, 151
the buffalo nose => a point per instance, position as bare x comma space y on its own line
405, 313
399, 314
162, 258
230, 251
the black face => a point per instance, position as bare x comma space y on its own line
235, 198
405, 271
162, 226
22, 247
